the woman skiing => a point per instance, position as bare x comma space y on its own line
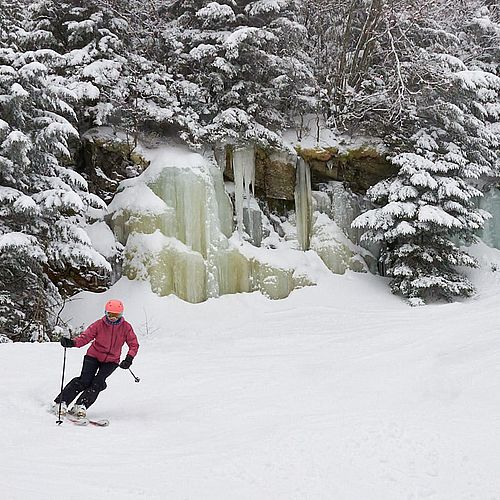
107, 335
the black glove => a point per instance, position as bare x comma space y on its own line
65, 342
125, 364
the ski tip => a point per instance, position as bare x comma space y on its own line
99, 423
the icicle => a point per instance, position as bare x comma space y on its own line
238, 191
249, 174
303, 203
244, 177
220, 156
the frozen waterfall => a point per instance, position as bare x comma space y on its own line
175, 219
176, 223
179, 231
303, 203
248, 213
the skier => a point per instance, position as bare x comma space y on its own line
107, 334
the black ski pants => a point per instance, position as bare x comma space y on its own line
90, 383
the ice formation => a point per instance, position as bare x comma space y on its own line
303, 203
244, 181
176, 223
491, 231
341, 206
335, 249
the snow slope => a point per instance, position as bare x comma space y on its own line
340, 391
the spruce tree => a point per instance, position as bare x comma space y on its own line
243, 63
42, 201
428, 209
93, 63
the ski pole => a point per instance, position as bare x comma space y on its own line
136, 379
59, 422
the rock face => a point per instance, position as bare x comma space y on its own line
358, 168
106, 159
279, 175
275, 174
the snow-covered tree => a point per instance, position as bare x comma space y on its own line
372, 59
11, 20
428, 210
364, 59
42, 201
423, 210
241, 65
89, 39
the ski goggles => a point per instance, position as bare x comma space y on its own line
113, 316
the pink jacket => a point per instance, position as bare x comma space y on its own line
108, 339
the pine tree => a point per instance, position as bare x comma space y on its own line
428, 210
425, 208
243, 63
42, 201
93, 63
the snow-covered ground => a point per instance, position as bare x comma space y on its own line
339, 392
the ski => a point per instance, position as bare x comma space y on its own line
87, 421
76, 420
103, 422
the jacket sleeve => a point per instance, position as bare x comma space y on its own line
132, 342
87, 336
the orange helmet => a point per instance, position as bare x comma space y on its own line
114, 306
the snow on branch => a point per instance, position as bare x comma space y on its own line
475, 80
22, 242
215, 12
438, 216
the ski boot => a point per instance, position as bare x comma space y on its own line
78, 411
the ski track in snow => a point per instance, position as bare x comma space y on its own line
338, 392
